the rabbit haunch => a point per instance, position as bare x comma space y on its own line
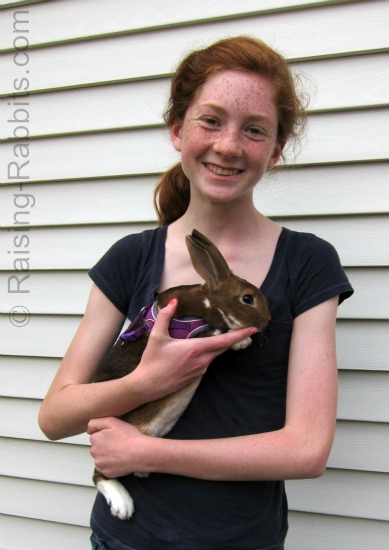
225, 302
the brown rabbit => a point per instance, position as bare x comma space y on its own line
223, 303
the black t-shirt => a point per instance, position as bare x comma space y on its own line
243, 392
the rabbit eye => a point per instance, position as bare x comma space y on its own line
248, 299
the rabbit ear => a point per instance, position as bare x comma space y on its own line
207, 260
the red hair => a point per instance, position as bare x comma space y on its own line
243, 53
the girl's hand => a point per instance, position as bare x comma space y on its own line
169, 364
114, 443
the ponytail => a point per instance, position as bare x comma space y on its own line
172, 195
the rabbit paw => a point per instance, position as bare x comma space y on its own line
242, 344
117, 497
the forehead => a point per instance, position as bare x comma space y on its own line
238, 89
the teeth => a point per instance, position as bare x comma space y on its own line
222, 171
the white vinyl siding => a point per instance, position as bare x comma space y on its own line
98, 77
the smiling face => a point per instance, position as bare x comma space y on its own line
228, 136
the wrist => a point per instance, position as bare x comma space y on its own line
153, 455
138, 387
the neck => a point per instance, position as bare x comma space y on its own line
222, 222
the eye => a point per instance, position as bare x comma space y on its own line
255, 131
248, 299
210, 120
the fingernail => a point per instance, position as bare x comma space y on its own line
173, 302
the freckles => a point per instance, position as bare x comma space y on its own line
254, 95
190, 126
237, 92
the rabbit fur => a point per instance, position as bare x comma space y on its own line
225, 302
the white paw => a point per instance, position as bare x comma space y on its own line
242, 344
117, 497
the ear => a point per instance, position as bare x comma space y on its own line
275, 157
175, 134
207, 260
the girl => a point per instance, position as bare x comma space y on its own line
260, 415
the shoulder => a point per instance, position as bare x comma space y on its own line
307, 243
315, 270
306, 248
131, 251
138, 242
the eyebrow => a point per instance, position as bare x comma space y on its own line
253, 116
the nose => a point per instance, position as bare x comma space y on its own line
228, 143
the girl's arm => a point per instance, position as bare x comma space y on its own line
166, 366
70, 401
299, 450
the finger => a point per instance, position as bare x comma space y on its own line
164, 317
98, 424
93, 426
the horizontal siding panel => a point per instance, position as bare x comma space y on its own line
338, 492
320, 190
330, 139
371, 297
364, 396
98, 202
46, 501
120, 153
55, 249
21, 421
50, 292
300, 191
16, 531
361, 81
132, 104
360, 446
37, 373
359, 240
119, 16
323, 532
29, 340
58, 462
361, 345
66, 292
299, 35
17, 3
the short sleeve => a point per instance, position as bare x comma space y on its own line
129, 273
317, 275
113, 273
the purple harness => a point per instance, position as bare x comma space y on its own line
188, 327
